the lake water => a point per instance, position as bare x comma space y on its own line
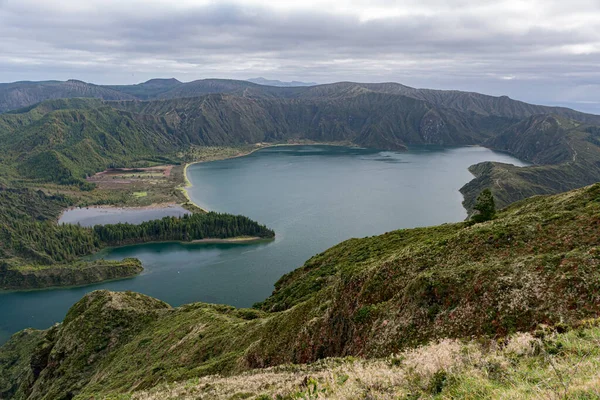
312, 196
91, 216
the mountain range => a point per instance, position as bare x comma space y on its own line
61, 137
276, 82
505, 308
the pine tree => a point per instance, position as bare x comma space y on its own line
485, 206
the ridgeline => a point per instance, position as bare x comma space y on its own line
66, 140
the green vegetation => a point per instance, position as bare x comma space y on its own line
29, 230
77, 273
64, 141
563, 151
36, 252
23, 94
485, 207
533, 268
187, 228
545, 365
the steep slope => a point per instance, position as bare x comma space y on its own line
65, 140
372, 119
537, 263
565, 154
22, 94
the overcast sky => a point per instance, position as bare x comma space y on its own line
540, 51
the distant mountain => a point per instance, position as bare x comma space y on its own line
22, 94
149, 89
565, 155
275, 82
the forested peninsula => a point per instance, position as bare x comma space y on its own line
36, 252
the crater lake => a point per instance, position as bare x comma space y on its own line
312, 196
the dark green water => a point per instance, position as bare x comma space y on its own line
312, 196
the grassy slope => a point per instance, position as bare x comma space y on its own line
537, 263
549, 365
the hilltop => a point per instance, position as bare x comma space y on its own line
23, 94
534, 266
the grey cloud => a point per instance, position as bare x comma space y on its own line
468, 50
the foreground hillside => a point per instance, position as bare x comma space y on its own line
545, 365
536, 263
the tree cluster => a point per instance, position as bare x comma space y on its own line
28, 229
187, 228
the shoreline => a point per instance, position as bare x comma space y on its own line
232, 240
259, 146
239, 239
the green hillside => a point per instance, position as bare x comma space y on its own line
64, 141
565, 154
535, 265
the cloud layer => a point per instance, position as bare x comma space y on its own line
543, 51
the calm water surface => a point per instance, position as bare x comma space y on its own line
91, 216
312, 196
